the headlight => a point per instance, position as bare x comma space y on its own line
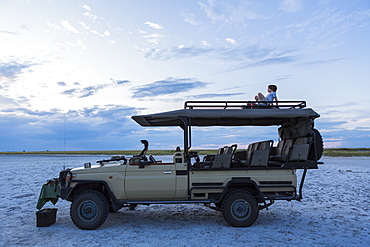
65, 177
69, 176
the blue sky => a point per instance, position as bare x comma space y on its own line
72, 73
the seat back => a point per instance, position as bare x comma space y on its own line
260, 157
227, 150
221, 150
280, 147
287, 146
265, 145
260, 153
251, 148
222, 160
299, 152
301, 140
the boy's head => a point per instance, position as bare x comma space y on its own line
272, 87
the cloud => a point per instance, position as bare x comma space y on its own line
69, 27
7, 103
265, 62
8, 32
109, 127
231, 41
321, 62
81, 45
91, 90
105, 112
99, 127
53, 25
212, 11
240, 57
189, 18
177, 52
12, 69
85, 92
282, 77
239, 53
337, 137
205, 43
87, 7
291, 5
153, 25
153, 38
84, 25
62, 83
88, 12
215, 95
122, 82
168, 86
230, 12
29, 112
326, 25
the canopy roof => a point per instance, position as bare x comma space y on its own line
225, 117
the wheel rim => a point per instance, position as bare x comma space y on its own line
88, 210
240, 209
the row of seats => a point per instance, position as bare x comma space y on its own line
258, 154
263, 154
290, 150
220, 160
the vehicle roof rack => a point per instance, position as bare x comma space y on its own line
243, 104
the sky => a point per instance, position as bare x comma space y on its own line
72, 73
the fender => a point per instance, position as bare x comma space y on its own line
243, 183
67, 193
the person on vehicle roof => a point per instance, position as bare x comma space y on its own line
271, 96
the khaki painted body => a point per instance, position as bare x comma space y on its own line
169, 181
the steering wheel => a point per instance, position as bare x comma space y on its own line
194, 154
151, 158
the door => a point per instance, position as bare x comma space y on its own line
153, 182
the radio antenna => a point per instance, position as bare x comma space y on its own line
65, 140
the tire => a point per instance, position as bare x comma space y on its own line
89, 210
240, 208
319, 144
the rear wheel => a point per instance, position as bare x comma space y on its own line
240, 208
89, 210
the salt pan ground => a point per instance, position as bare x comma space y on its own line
335, 211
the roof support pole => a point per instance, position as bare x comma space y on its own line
187, 144
187, 133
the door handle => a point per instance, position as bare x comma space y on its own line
167, 172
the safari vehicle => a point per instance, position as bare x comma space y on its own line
236, 182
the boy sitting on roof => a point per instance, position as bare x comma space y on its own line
271, 96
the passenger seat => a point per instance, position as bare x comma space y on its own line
300, 150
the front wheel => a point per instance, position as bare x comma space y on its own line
240, 208
89, 210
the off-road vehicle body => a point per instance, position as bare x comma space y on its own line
236, 182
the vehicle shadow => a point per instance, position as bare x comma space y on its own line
166, 216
